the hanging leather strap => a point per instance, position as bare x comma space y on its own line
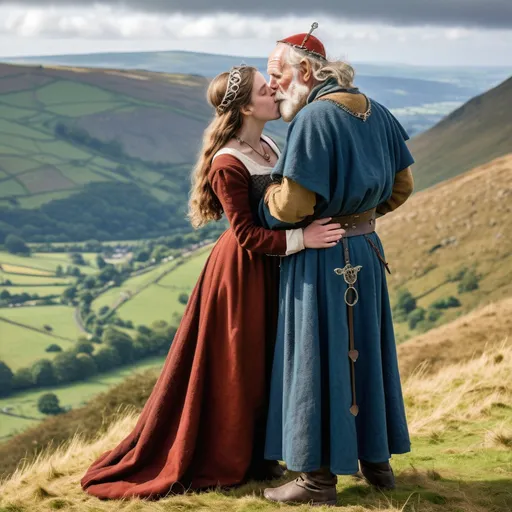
353, 354
379, 255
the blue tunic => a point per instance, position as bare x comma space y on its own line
351, 165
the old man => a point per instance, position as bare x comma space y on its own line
336, 400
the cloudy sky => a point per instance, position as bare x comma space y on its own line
423, 32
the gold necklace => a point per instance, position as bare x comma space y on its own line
265, 155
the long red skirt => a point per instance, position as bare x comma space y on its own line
204, 422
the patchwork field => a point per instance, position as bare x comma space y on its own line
26, 331
22, 346
38, 163
43, 264
160, 300
59, 318
75, 395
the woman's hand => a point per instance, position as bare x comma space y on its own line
321, 235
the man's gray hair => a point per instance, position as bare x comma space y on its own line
323, 69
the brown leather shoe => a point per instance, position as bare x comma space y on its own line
314, 488
265, 470
378, 474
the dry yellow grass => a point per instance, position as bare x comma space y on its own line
460, 340
29, 271
460, 394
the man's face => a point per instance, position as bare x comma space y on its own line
290, 91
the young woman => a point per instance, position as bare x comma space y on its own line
204, 422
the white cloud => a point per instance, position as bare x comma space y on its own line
456, 33
102, 28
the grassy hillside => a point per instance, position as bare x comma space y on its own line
90, 154
473, 134
443, 347
460, 425
460, 225
98, 153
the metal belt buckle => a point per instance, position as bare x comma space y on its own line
349, 274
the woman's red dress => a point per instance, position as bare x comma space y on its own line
204, 423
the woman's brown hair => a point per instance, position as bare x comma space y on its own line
203, 204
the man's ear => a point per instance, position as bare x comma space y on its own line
306, 70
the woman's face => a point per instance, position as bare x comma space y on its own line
263, 105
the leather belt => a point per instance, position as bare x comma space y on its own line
358, 223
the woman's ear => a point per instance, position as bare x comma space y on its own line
247, 110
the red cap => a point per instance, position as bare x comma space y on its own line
307, 43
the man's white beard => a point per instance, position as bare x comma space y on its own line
292, 100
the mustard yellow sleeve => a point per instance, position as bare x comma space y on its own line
402, 189
290, 202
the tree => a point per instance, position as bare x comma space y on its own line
69, 293
405, 301
450, 302
59, 271
141, 349
87, 298
53, 348
433, 315
103, 310
89, 283
22, 379
159, 253
65, 367
86, 365
77, 259
415, 317
49, 404
183, 298
121, 342
6, 377
142, 256
100, 262
159, 325
84, 347
4, 295
75, 272
469, 282
48, 328
16, 245
42, 373
107, 274
107, 358
144, 330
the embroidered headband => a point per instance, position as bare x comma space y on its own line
232, 88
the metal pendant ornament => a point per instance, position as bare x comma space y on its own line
349, 274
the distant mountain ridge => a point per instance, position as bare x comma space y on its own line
419, 96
